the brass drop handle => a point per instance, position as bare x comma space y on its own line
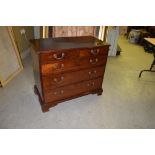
59, 66
93, 61
90, 84
57, 80
93, 72
62, 65
57, 57
58, 93
94, 51
55, 93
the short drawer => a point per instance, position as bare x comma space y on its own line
92, 61
72, 90
93, 51
58, 80
47, 57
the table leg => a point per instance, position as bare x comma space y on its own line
149, 70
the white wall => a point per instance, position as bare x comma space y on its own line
112, 39
36, 32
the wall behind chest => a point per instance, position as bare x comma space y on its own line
10, 62
66, 31
21, 41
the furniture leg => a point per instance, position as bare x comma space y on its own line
149, 70
100, 92
153, 63
44, 108
145, 71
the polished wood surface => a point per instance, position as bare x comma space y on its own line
72, 65
61, 43
66, 68
72, 90
57, 80
58, 55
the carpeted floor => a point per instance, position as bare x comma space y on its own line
127, 102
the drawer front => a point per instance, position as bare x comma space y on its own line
93, 52
57, 80
58, 55
58, 67
92, 61
72, 65
72, 90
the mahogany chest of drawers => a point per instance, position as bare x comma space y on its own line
68, 67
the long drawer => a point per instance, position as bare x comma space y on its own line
58, 80
58, 67
72, 65
72, 90
50, 56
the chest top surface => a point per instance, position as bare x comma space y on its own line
49, 44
